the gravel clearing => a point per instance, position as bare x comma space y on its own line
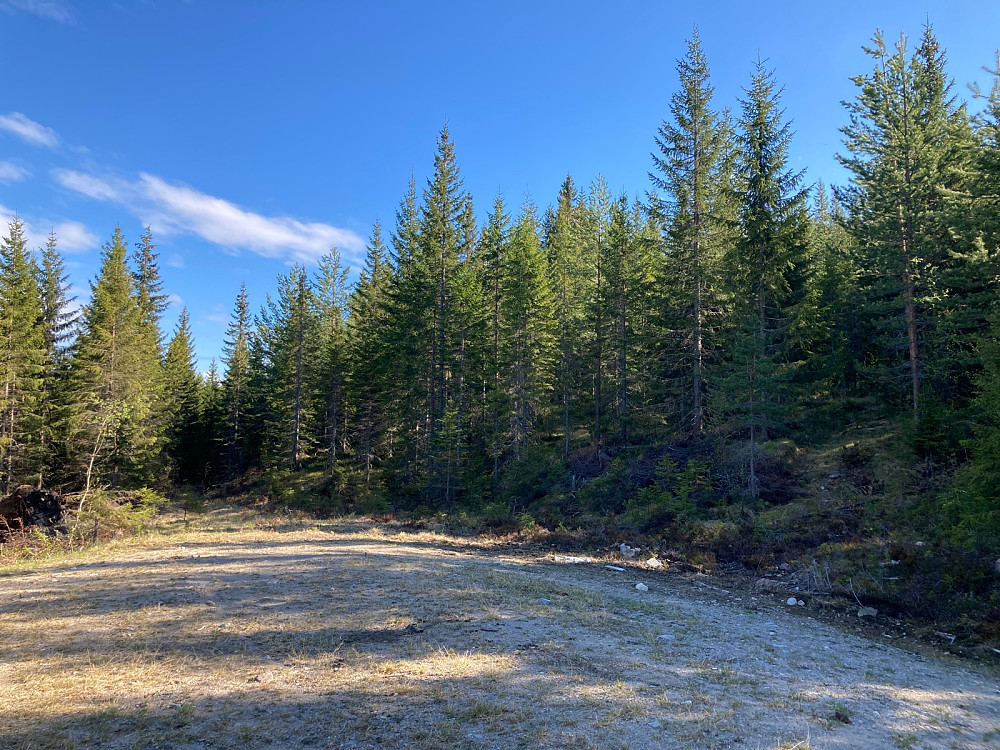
364, 636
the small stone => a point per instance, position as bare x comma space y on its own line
266, 676
654, 724
666, 637
641, 587
653, 563
615, 568
867, 612
801, 603
835, 476
784, 567
545, 601
792, 601
996, 565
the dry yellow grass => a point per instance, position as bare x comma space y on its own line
236, 631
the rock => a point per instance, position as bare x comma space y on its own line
792, 601
266, 676
784, 567
615, 568
996, 565
653, 563
654, 724
627, 552
867, 612
666, 637
641, 587
801, 603
835, 476
573, 560
545, 601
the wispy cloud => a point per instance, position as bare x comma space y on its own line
175, 260
93, 187
28, 130
12, 173
171, 208
47, 9
217, 315
175, 300
71, 236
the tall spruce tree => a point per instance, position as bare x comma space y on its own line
113, 434
182, 400
151, 303
22, 362
334, 351
494, 249
527, 335
290, 335
768, 268
236, 387
369, 372
566, 245
906, 145
693, 172
59, 322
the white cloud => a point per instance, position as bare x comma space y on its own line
74, 237
28, 130
12, 172
218, 315
179, 209
71, 236
92, 187
176, 260
47, 9
175, 300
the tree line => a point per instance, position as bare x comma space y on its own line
730, 307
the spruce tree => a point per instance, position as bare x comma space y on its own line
334, 351
566, 245
114, 442
446, 234
289, 336
907, 146
527, 334
494, 248
59, 323
22, 362
182, 401
692, 169
370, 373
768, 270
235, 394
151, 303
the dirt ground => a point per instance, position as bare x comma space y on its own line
354, 635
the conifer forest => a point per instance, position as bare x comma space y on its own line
739, 361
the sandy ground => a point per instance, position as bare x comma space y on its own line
354, 635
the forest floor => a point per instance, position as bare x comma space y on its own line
230, 632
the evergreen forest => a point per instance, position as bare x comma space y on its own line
740, 364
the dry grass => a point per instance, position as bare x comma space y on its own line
233, 631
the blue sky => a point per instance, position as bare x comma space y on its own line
252, 134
